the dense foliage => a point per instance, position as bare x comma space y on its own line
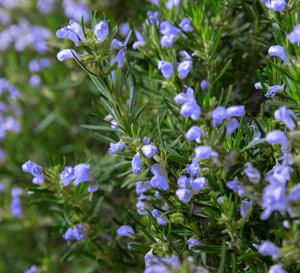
157, 136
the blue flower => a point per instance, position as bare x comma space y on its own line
280, 174
166, 69
76, 11
277, 137
204, 85
116, 147
66, 54
140, 40
273, 90
142, 187
204, 152
157, 215
189, 107
141, 208
198, 184
152, 17
32, 269
101, 30
245, 208
278, 51
124, 29
136, 164
45, 6
286, 116
269, 249
160, 179
277, 268
231, 125
192, 243
169, 32
35, 80
81, 173
37, 65
218, 115
125, 231
172, 4
184, 67
294, 36
235, 111
194, 134
73, 32
149, 150
276, 5
35, 170
294, 194
252, 173
77, 233
236, 186
67, 175
194, 168
273, 199
15, 205
185, 25
184, 195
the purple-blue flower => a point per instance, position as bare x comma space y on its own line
218, 115
32, 269
192, 243
245, 208
189, 107
276, 5
286, 116
140, 40
166, 68
184, 195
101, 30
160, 178
277, 268
77, 233
277, 137
37, 65
235, 111
142, 186
204, 152
35, 80
278, 51
204, 85
269, 249
194, 134
294, 36
76, 11
231, 125
252, 173
184, 67
116, 147
15, 205
125, 231
169, 32
136, 164
273, 199
198, 184
172, 4
235, 185
67, 175
66, 54
81, 173
149, 150
194, 168
157, 215
273, 90
152, 17
185, 25
35, 170
73, 32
